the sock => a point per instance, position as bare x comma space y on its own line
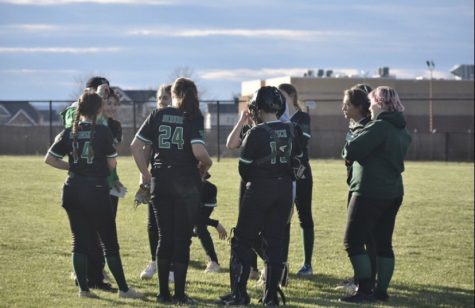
163, 266
115, 266
80, 268
385, 267
153, 241
180, 279
362, 267
308, 236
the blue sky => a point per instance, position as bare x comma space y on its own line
47, 47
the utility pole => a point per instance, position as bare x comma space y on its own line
430, 66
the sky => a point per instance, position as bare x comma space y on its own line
48, 48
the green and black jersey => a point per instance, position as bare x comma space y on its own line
171, 135
268, 150
302, 119
86, 164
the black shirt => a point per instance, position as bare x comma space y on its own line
264, 157
302, 119
171, 136
85, 165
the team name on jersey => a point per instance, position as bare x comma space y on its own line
81, 135
281, 133
172, 119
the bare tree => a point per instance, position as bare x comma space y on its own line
187, 72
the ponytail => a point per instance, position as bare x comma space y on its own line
76, 133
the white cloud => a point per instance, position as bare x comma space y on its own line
60, 2
252, 33
32, 27
75, 50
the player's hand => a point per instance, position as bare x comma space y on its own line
244, 117
221, 231
118, 185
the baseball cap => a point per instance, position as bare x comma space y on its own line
96, 81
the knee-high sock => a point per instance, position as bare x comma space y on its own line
163, 271
80, 268
308, 237
180, 279
115, 266
385, 268
153, 241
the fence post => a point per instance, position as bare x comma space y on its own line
218, 124
135, 120
447, 146
50, 122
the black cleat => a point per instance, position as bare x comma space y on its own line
381, 296
185, 300
358, 298
100, 285
163, 299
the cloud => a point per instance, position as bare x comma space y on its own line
250, 33
74, 50
61, 2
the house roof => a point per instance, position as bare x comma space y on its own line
14, 107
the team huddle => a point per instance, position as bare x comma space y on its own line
171, 156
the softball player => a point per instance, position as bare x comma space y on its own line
376, 187
176, 136
265, 167
164, 99
304, 184
86, 199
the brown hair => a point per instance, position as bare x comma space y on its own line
292, 92
387, 98
186, 94
359, 99
89, 105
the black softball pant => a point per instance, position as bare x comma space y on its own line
176, 198
371, 217
201, 230
88, 205
303, 198
265, 209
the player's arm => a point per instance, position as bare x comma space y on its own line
234, 138
55, 154
201, 154
141, 158
56, 162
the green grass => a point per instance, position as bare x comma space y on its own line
433, 241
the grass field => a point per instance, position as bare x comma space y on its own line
433, 242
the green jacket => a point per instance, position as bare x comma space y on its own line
378, 153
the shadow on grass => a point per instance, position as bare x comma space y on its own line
320, 291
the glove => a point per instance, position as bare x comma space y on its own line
142, 196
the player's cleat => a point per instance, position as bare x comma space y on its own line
305, 270
381, 296
101, 285
358, 298
212, 267
254, 274
130, 293
171, 277
163, 299
348, 286
185, 300
149, 271
87, 294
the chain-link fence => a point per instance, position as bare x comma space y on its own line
29, 127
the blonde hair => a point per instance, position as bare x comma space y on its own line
387, 98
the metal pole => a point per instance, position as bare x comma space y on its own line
133, 114
50, 122
431, 121
219, 128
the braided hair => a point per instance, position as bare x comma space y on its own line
89, 105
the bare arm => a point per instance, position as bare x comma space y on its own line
111, 163
137, 147
233, 141
56, 162
201, 154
